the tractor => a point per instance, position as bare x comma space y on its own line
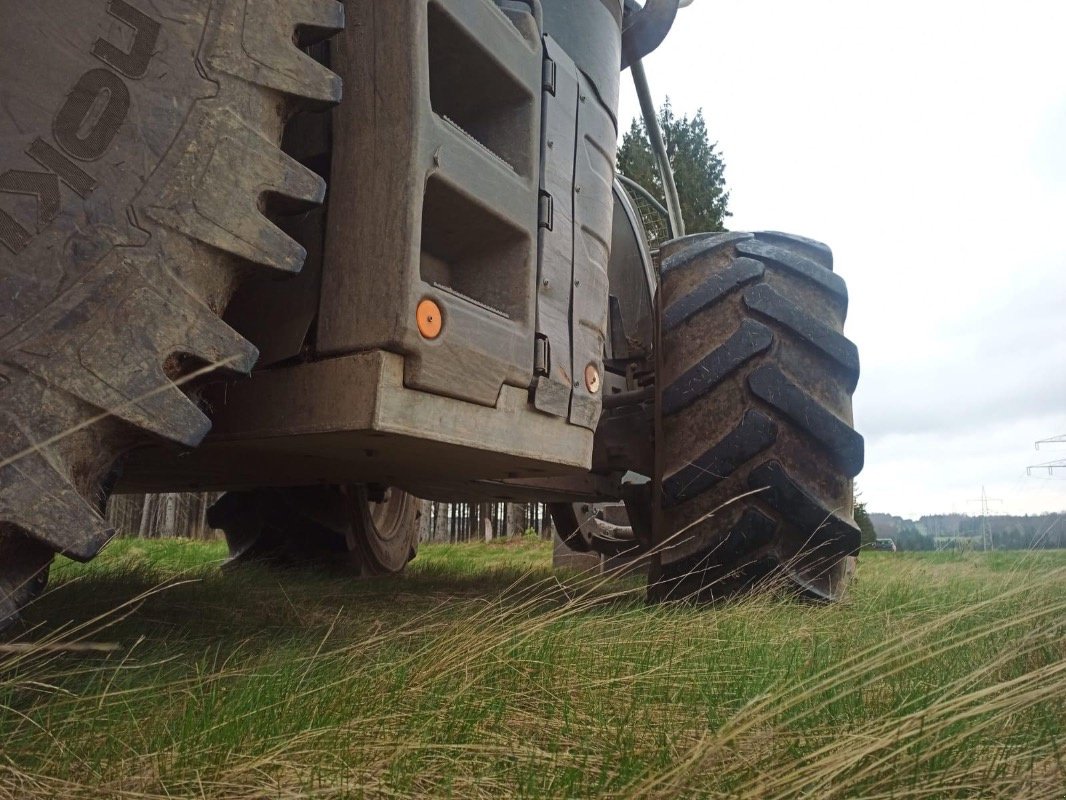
330, 258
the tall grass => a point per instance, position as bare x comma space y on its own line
483, 674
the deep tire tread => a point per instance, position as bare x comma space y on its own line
752, 436
816, 251
771, 385
748, 341
772, 401
783, 494
24, 576
733, 565
797, 263
98, 346
741, 272
765, 300
700, 247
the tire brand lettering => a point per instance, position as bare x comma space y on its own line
99, 102
70, 173
44, 186
133, 64
84, 128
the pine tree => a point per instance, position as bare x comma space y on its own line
862, 519
699, 170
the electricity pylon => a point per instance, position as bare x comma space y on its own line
1050, 466
986, 526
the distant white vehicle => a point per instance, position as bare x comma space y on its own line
884, 544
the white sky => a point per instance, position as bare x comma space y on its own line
926, 143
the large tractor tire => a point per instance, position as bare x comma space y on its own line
139, 161
325, 526
756, 450
24, 576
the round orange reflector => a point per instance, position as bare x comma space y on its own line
592, 379
430, 319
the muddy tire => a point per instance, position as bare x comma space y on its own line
384, 533
757, 451
24, 576
322, 526
139, 161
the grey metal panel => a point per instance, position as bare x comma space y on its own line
551, 392
593, 218
392, 149
352, 419
590, 31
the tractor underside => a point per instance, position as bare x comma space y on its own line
471, 172
471, 311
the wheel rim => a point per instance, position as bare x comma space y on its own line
388, 514
385, 532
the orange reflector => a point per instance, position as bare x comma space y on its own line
430, 320
592, 379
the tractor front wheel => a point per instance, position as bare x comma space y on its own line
755, 446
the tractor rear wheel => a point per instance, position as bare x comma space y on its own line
756, 451
331, 526
24, 576
139, 160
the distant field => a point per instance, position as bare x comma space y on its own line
482, 674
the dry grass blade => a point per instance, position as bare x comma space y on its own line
35, 648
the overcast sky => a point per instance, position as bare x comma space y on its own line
926, 143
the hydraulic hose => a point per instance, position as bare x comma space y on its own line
658, 148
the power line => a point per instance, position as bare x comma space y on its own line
1050, 466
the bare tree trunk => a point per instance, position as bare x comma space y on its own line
147, 514
515, 519
471, 521
170, 515
425, 520
201, 517
440, 530
546, 528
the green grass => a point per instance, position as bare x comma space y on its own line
480, 673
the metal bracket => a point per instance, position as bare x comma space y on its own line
542, 351
547, 211
549, 76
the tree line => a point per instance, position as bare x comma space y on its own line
184, 515
1006, 532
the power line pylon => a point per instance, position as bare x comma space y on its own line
986, 526
1050, 466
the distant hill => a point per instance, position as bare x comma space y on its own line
1008, 532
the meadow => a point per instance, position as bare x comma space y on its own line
481, 673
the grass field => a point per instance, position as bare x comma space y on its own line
482, 674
